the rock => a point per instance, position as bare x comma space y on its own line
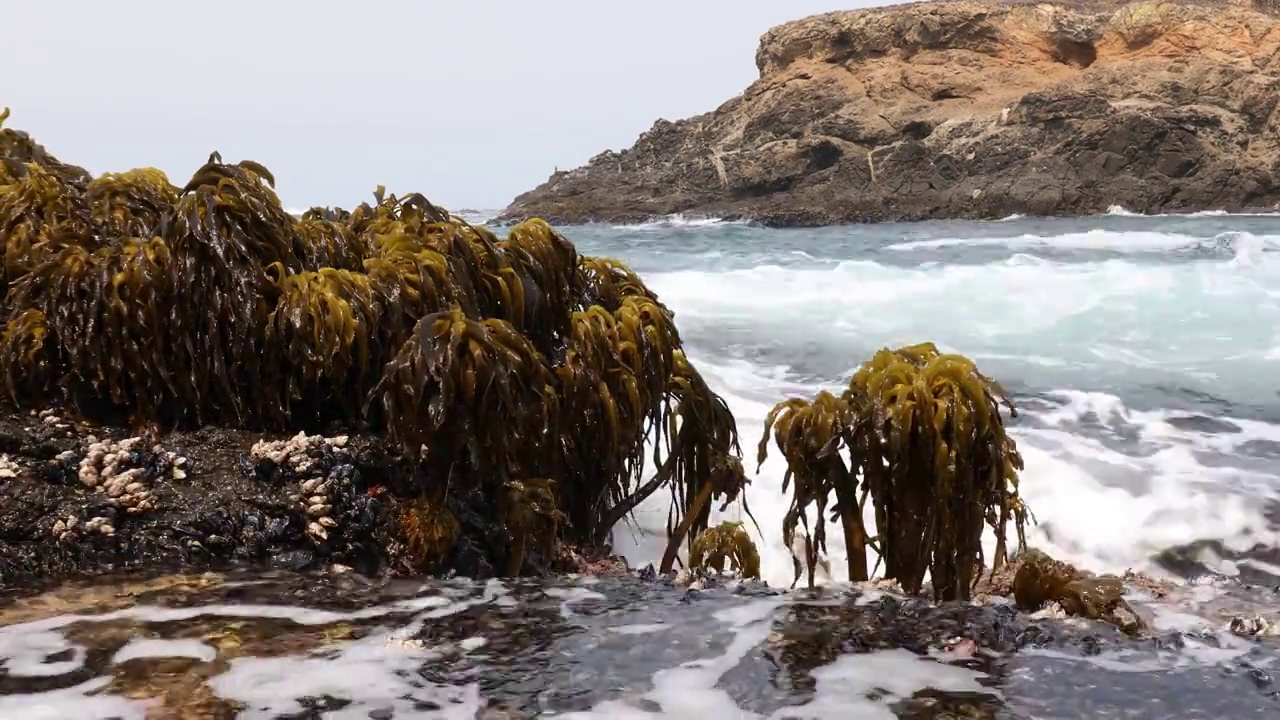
966, 109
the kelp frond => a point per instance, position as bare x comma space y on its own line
938, 463
130, 204
472, 393
807, 433
428, 531
728, 543
923, 431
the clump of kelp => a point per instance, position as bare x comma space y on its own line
726, 544
919, 433
514, 377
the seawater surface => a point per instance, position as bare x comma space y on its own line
1144, 355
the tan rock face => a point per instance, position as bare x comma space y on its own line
967, 109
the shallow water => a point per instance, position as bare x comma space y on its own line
284, 646
1144, 353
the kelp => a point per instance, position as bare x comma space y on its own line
519, 379
606, 282
923, 431
703, 458
25, 356
328, 243
107, 311
528, 510
18, 147
727, 543
470, 395
1040, 580
228, 230
37, 208
130, 204
614, 379
427, 530
324, 329
805, 431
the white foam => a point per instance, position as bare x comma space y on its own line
894, 675
373, 672
74, 702
690, 690
842, 688
639, 629
679, 220
1097, 239
144, 648
377, 672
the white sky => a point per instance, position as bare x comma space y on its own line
469, 102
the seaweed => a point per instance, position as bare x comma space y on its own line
473, 398
39, 209
428, 531
130, 204
323, 328
515, 378
328, 243
17, 146
25, 356
107, 313
923, 431
729, 543
805, 432
1041, 580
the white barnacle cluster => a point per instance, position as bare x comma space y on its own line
51, 419
297, 456
1256, 626
112, 469
67, 530
8, 468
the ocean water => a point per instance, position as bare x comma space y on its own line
1142, 352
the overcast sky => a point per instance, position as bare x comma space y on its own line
469, 102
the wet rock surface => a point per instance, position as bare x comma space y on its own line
78, 500
288, 645
966, 109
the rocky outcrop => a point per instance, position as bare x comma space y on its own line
966, 109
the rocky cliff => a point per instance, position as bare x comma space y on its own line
974, 109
